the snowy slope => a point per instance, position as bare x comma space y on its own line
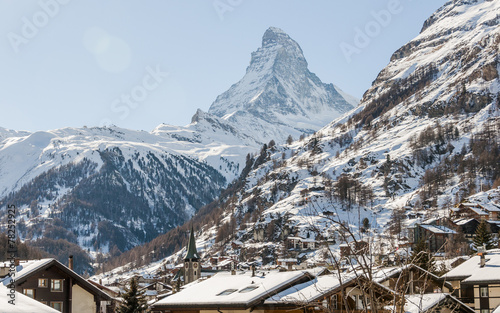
277, 97
425, 136
104, 184
106, 187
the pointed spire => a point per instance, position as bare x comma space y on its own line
192, 253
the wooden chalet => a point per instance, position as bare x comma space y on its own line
433, 303
52, 283
411, 279
485, 211
359, 247
477, 281
435, 236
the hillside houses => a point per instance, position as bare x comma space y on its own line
484, 211
302, 291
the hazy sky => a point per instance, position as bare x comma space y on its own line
137, 64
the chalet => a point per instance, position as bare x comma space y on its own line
153, 290
226, 264
353, 248
410, 279
477, 281
299, 243
434, 302
230, 292
16, 302
288, 263
435, 236
330, 293
485, 211
467, 226
52, 283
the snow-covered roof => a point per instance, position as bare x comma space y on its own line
310, 290
233, 290
421, 303
472, 272
437, 229
462, 221
27, 267
23, 304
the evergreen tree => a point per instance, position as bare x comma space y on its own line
366, 225
421, 256
134, 300
482, 236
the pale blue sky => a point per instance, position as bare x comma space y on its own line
137, 64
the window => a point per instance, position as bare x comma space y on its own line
483, 292
226, 292
57, 305
43, 282
485, 311
29, 292
334, 302
56, 285
248, 289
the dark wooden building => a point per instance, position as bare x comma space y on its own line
52, 283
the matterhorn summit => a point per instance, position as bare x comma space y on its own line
279, 96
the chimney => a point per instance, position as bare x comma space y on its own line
253, 270
16, 261
70, 262
482, 260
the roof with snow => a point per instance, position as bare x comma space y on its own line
320, 287
309, 290
470, 272
421, 303
226, 290
436, 229
27, 268
23, 304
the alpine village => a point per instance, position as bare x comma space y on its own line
287, 196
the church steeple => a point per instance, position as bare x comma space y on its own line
192, 266
192, 253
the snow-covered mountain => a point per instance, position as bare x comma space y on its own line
105, 186
109, 187
425, 136
279, 96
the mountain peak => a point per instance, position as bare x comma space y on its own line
277, 89
275, 35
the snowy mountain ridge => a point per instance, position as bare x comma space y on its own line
425, 137
99, 186
279, 96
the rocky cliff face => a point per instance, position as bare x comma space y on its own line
279, 96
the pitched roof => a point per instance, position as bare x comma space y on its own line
192, 253
436, 229
27, 268
23, 304
421, 303
226, 290
309, 290
471, 272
